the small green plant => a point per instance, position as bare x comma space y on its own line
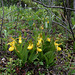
41, 49
24, 50
11, 66
48, 47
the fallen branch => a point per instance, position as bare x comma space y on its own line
52, 6
62, 26
69, 20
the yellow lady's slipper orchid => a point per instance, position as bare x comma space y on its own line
29, 16
39, 41
56, 44
46, 18
39, 50
47, 21
41, 27
20, 40
30, 45
12, 38
12, 44
40, 36
11, 48
48, 39
58, 48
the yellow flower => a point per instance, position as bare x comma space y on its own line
56, 58
39, 50
29, 16
30, 45
12, 44
12, 38
40, 36
47, 21
58, 48
11, 48
46, 18
48, 39
39, 41
56, 44
41, 27
20, 40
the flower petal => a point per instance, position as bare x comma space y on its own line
39, 50
58, 48
11, 48
48, 39
30, 46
